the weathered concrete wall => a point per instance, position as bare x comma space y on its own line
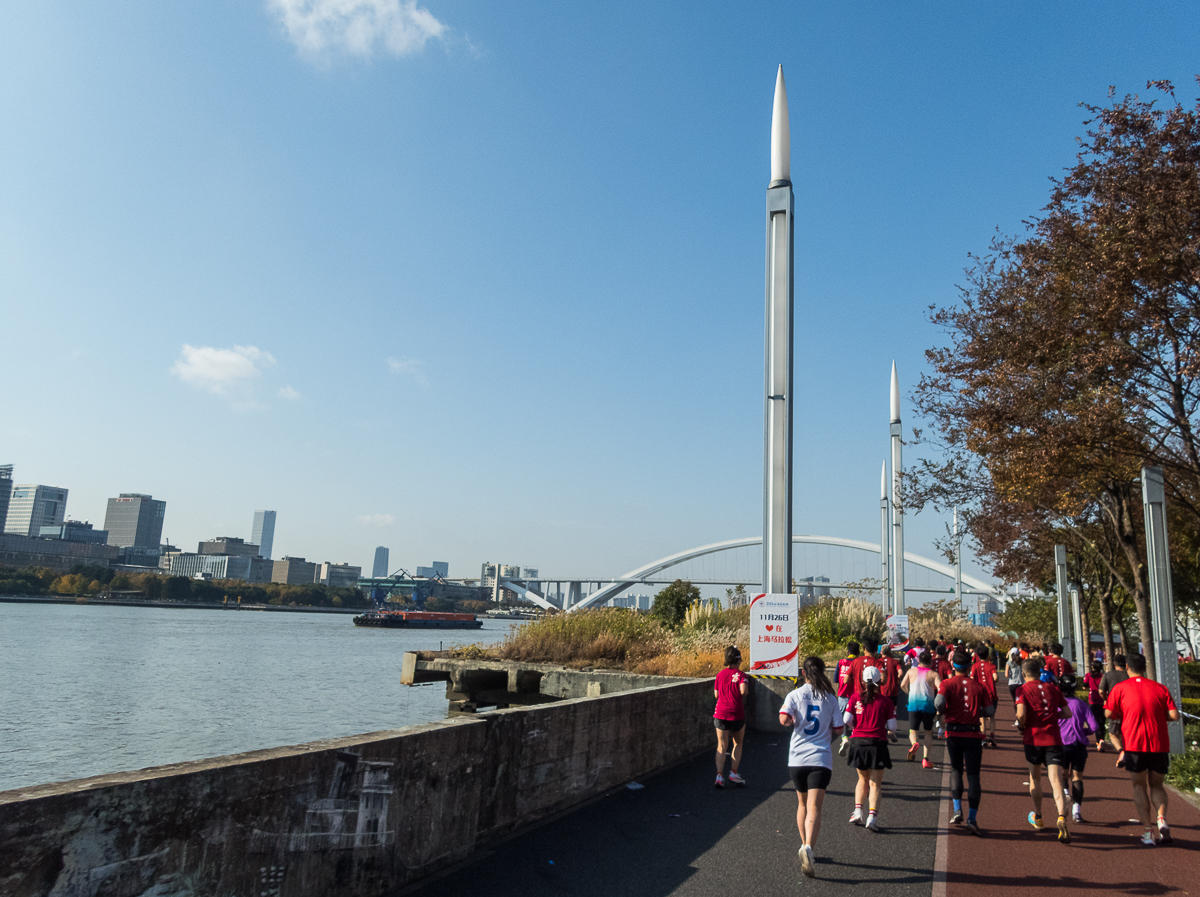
350, 816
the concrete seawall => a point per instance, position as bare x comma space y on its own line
352, 816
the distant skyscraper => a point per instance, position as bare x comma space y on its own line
380, 567
5, 492
32, 507
263, 534
135, 520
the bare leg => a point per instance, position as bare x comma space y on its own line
739, 739
860, 787
1035, 788
801, 814
876, 788
1158, 794
722, 749
812, 824
1141, 797
1055, 774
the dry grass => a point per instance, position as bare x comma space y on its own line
614, 637
943, 625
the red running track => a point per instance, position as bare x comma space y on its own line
1105, 855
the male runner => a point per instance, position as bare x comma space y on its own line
963, 702
921, 685
984, 672
1040, 706
846, 686
1107, 683
1058, 665
890, 670
1144, 708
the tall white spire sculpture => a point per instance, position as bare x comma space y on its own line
885, 541
777, 413
897, 509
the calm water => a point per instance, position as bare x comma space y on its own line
86, 690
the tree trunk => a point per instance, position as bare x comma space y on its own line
1127, 535
1125, 649
1104, 599
1085, 630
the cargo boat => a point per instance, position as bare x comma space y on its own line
417, 619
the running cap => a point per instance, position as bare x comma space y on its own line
871, 674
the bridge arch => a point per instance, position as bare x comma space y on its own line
633, 577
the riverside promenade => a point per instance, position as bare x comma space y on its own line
679, 836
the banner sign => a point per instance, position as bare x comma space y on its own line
774, 634
897, 631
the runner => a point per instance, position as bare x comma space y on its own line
984, 672
811, 711
1096, 703
1074, 731
1012, 670
945, 671
1144, 708
889, 686
1040, 706
921, 684
963, 702
730, 716
1107, 683
1057, 664
845, 688
871, 716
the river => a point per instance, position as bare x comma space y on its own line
87, 690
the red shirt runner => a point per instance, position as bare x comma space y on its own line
965, 700
856, 668
890, 673
1042, 702
870, 720
984, 672
1058, 666
729, 698
845, 685
1142, 704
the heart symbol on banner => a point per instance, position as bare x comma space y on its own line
770, 629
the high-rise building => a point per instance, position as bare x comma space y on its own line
263, 533
230, 545
32, 507
380, 567
5, 492
438, 568
134, 519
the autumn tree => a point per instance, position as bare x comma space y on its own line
1074, 355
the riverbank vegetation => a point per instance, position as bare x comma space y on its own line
84, 582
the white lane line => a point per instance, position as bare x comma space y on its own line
941, 854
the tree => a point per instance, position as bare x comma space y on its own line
1029, 615
671, 604
1074, 354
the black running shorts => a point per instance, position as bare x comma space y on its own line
869, 753
1148, 761
917, 718
1047, 755
810, 778
1075, 756
729, 725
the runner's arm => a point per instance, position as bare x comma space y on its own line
785, 719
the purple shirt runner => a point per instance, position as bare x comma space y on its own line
1075, 730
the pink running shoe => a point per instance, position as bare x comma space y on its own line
925, 764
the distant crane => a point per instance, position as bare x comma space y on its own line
422, 588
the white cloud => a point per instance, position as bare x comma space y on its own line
358, 27
286, 392
217, 370
377, 519
408, 367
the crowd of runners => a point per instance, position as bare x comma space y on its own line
950, 691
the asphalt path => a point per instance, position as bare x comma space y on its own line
678, 835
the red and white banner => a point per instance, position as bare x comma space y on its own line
774, 634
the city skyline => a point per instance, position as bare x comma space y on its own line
268, 220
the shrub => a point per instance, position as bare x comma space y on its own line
671, 604
610, 635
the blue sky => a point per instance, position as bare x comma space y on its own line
485, 281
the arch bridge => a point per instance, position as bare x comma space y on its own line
646, 574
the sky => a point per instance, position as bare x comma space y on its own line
482, 281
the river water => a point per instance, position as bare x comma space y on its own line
86, 690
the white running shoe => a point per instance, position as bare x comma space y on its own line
735, 779
843, 746
857, 816
1076, 813
1148, 838
720, 782
1164, 832
872, 823
806, 861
